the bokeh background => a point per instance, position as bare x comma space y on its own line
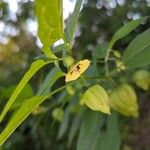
19, 46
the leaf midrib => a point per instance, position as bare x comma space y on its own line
137, 52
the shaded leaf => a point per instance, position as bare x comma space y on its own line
89, 131
126, 29
100, 51
74, 129
137, 53
50, 79
109, 139
71, 26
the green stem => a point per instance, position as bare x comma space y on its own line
106, 66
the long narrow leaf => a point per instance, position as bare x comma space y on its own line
35, 66
23, 113
50, 79
71, 26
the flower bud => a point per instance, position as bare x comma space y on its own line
117, 54
38, 110
142, 79
70, 89
124, 100
120, 65
58, 114
68, 60
96, 99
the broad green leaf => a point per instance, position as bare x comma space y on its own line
137, 53
100, 51
22, 113
126, 29
96, 99
89, 131
50, 27
71, 26
35, 66
50, 79
109, 139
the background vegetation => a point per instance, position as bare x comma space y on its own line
98, 21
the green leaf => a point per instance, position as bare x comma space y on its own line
50, 27
89, 131
50, 79
27, 92
74, 129
137, 53
64, 125
126, 29
35, 66
96, 99
48, 52
71, 26
21, 114
100, 51
109, 139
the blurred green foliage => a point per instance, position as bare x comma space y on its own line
98, 21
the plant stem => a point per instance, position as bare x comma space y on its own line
106, 66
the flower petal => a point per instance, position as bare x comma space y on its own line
76, 70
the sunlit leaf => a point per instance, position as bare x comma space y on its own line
137, 53
50, 24
22, 113
35, 66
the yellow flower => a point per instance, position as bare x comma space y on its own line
76, 70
